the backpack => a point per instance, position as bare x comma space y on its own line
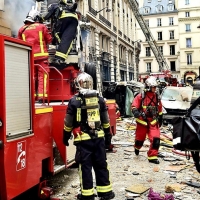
186, 133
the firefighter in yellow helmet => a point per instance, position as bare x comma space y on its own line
87, 118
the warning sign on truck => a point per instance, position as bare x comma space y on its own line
21, 155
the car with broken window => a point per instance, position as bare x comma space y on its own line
175, 101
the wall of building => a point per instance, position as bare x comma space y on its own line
4, 25
189, 15
150, 12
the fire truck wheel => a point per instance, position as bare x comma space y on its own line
90, 68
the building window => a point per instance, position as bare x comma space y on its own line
187, 2
147, 10
148, 67
171, 21
159, 8
159, 22
161, 49
170, 7
173, 66
159, 35
171, 35
147, 22
187, 28
188, 42
187, 14
148, 51
189, 59
172, 49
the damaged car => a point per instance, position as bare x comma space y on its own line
175, 101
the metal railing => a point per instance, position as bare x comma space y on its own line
104, 20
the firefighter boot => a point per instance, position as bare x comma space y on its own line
58, 63
81, 197
155, 161
137, 152
111, 195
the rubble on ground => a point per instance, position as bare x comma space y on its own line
133, 177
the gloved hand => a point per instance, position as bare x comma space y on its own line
160, 120
108, 138
76, 131
66, 137
135, 112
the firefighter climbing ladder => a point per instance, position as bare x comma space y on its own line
149, 37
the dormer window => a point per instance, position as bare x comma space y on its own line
147, 10
170, 7
159, 8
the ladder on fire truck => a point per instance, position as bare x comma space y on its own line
149, 37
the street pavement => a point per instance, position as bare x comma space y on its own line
133, 177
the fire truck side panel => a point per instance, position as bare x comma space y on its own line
16, 114
23, 157
58, 125
59, 89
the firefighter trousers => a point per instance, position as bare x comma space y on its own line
153, 133
41, 82
91, 154
67, 34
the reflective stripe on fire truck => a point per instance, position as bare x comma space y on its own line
85, 136
43, 110
160, 113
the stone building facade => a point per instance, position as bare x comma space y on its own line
111, 39
161, 16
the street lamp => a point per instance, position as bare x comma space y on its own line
107, 10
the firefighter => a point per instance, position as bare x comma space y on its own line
37, 34
64, 27
87, 118
147, 110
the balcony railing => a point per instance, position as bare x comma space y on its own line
125, 36
92, 11
114, 28
104, 20
120, 33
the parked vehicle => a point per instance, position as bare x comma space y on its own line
176, 101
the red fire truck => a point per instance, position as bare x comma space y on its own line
31, 133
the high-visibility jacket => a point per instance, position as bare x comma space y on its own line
38, 35
77, 117
150, 105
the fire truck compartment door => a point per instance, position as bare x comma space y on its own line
17, 90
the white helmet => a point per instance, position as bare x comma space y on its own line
84, 81
151, 82
31, 17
